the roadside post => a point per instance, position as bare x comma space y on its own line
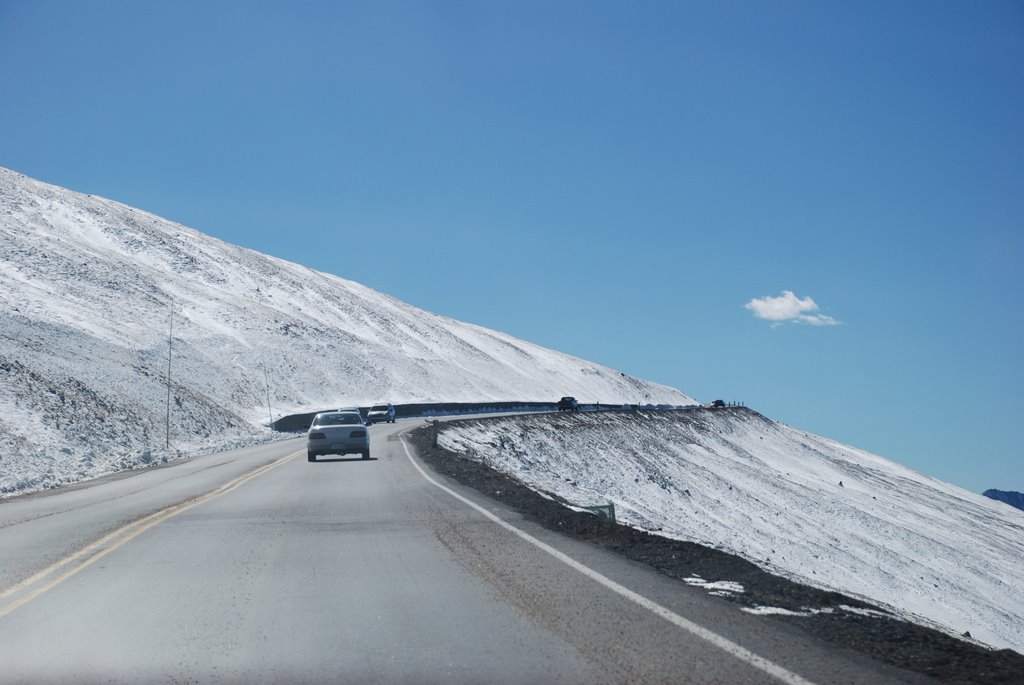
605, 511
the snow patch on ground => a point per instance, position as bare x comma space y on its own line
809, 611
777, 611
720, 587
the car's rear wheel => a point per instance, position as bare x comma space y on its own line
366, 454
310, 456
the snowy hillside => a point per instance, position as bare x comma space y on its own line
797, 504
86, 288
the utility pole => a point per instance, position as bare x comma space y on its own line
170, 333
266, 378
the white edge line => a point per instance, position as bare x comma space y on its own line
715, 639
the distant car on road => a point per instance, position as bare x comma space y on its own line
381, 412
337, 432
568, 404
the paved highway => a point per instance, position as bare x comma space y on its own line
256, 566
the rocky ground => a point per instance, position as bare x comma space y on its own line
892, 641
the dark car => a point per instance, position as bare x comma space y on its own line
568, 404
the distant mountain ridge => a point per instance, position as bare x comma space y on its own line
86, 291
1014, 499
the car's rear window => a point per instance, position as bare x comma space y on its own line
337, 420
379, 407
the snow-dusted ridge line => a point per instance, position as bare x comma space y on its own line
86, 286
804, 507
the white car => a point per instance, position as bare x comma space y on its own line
381, 412
337, 432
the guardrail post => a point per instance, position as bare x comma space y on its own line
436, 429
605, 511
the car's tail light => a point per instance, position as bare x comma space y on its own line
317, 436
357, 434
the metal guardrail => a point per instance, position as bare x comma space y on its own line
296, 423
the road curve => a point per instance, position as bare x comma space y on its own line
256, 566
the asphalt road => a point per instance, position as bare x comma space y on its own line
256, 566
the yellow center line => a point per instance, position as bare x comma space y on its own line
127, 533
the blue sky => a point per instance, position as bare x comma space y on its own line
626, 182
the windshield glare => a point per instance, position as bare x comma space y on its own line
337, 420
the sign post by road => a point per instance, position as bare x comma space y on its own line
605, 511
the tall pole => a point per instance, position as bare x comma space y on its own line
170, 333
266, 378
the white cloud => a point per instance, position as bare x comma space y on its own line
817, 320
789, 307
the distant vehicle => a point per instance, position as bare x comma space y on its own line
568, 404
718, 403
381, 412
337, 432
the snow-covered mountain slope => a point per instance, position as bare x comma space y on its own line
86, 290
797, 504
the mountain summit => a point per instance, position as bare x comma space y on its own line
88, 287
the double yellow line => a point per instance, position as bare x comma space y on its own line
25, 591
